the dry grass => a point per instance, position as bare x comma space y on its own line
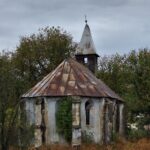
143, 144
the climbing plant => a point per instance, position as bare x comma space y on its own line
64, 118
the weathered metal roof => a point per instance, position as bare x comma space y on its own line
71, 78
86, 45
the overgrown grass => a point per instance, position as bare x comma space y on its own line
142, 144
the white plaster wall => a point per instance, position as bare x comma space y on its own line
121, 124
52, 135
101, 121
94, 127
30, 109
95, 121
96, 118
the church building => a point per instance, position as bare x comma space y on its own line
96, 109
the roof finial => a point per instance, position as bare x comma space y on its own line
85, 19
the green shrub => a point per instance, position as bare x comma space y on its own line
64, 118
26, 138
136, 134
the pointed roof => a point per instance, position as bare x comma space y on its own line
71, 78
86, 45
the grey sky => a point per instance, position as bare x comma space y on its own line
117, 25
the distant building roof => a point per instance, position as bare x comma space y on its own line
86, 45
71, 78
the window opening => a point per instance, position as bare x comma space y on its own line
88, 106
85, 60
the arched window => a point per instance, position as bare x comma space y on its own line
88, 106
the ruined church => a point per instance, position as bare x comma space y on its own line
96, 109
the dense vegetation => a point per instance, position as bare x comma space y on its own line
37, 55
64, 118
129, 76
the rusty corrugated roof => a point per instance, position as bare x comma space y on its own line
71, 78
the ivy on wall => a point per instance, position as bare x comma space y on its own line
64, 118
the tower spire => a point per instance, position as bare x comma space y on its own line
85, 19
86, 52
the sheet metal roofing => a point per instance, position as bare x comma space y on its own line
86, 45
71, 78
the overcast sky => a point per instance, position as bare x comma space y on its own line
117, 26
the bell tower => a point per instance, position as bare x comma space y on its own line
86, 52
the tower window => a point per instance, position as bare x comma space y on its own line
85, 60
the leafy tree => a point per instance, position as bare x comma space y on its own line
139, 64
35, 56
8, 100
113, 70
39, 54
128, 76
